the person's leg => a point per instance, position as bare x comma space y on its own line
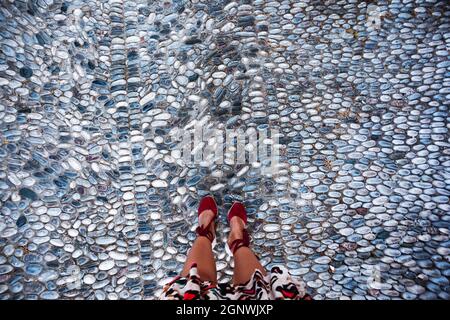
245, 261
201, 253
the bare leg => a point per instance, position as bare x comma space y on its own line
201, 253
245, 261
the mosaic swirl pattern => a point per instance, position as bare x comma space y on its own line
95, 204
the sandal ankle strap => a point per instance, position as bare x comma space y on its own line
239, 243
205, 232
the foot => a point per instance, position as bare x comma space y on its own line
206, 217
237, 226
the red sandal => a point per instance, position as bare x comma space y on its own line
207, 203
238, 210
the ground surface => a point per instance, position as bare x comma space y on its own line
95, 203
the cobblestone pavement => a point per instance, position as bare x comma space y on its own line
96, 202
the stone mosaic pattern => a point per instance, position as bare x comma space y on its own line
96, 205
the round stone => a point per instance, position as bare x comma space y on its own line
346, 231
26, 72
106, 265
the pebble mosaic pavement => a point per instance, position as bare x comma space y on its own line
95, 203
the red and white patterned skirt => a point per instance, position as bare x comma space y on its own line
275, 285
